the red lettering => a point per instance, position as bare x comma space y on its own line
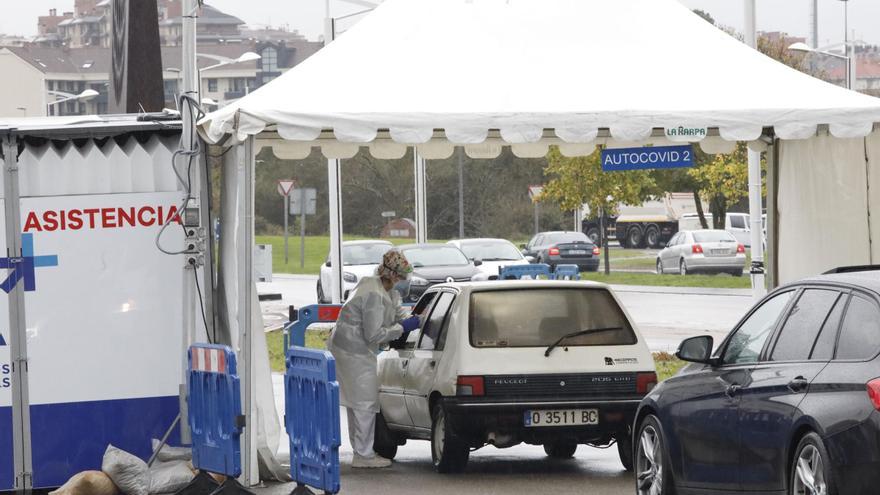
63, 215
50, 219
91, 212
32, 223
75, 218
126, 216
108, 218
151, 211
173, 215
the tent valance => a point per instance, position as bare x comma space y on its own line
537, 72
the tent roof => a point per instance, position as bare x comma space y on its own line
533, 72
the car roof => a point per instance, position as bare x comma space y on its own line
560, 232
425, 245
523, 284
868, 280
365, 241
480, 239
704, 230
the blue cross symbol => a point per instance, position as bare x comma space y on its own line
25, 266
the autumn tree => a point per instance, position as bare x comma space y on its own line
579, 181
724, 181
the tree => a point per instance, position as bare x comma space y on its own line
724, 182
705, 15
579, 181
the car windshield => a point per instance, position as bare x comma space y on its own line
491, 251
539, 317
435, 256
714, 236
567, 237
364, 254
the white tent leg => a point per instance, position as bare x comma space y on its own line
757, 229
421, 204
250, 466
334, 188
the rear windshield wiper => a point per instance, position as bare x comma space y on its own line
554, 345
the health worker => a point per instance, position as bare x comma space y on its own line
372, 317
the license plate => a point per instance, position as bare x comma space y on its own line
561, 417
719, 251
577, 251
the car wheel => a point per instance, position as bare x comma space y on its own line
810, 469
449, 454
560, 450
593, 234
321, 298
634, 237
682, 268
737, 273
653, 476
652, 237
659, 267
384, 442
625, 450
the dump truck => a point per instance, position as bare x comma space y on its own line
649, 225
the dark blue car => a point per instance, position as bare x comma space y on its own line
787, 403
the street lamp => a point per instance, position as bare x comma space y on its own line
84, 96
804, 48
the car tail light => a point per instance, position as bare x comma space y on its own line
596, 251
645, 382
740, 248
874, 392
469, 385
697, 249
554, 251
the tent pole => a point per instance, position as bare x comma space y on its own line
420, 190
246, 287
334, 188
755, 207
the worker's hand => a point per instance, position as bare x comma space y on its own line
410, 324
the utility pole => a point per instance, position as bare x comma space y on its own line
755, 199
461, 193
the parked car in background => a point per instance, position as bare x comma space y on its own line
552, 363
436, 264
359, 259
493, 253
788, 403
735, 223
563, 248
650, 224
702, 251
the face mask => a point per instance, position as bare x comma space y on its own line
402, 288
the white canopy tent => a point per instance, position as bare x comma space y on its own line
483, 74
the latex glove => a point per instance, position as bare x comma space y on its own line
410, 324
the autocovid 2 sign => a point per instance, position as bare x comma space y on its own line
616, 160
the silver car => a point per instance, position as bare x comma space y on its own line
702, 251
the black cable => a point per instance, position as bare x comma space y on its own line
211, 338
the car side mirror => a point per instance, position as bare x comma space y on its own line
478, 262
530, 259
327, 263
696, 350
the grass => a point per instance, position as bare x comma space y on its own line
667, 365
723, 281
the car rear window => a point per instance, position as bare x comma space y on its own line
714, 236
539, 317
567, 237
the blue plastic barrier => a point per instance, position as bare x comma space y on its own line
516, 272
295, 331
215, 409
567, 272
311, 417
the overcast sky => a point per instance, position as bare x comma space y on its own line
791, 16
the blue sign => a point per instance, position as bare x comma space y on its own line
24, 267
614, 160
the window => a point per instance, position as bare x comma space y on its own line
269, 59
748, 340
806, 319
567, 237
714, 236
212, 85
436, 256
823, 349
675, 239
491, 251
860, 332
539, 317
434, 325
738, 221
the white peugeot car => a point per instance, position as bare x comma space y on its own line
493, 253
359, 259
552, 363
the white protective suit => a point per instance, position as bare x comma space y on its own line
367, 321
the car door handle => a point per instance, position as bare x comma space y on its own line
432, 364
799, 384
732, 390
404, 364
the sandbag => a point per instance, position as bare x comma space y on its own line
169, 453
130, 473
88, 483
169, 477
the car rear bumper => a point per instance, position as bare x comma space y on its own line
475, 418
584, 264
708, 263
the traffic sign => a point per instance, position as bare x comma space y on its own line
535, 191
388, 214
285, 185
300, 198
614, 160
